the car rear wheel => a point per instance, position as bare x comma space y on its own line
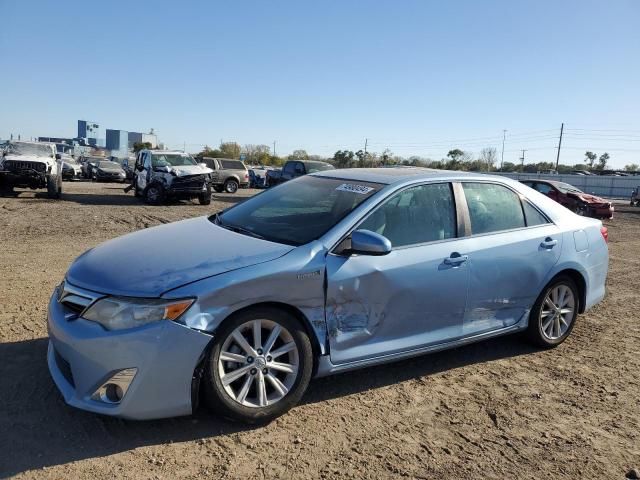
554, 313
231, 186
259, 366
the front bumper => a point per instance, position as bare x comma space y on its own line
82, 355
110, 177
27, 178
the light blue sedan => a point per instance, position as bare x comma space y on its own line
333, 271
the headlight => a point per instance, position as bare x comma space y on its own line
117, 313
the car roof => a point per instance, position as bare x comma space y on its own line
308, 161
167, 152
31, 143
401, 174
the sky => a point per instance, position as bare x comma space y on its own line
417, 77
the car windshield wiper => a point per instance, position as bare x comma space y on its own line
217, 219
244, 231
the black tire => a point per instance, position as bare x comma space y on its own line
534, 331
205, 197
231, 186
54, 187
218, 188
6, 190
217, 398
154, 194
580, 209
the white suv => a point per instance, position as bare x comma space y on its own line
32, 165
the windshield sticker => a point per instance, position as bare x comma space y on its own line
349, 187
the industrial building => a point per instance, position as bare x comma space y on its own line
92, 132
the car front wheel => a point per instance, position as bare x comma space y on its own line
205, 197
259, 366
554, 313
154, 194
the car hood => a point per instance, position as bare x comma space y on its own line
184, 170
585, 197
150, 262
111, 169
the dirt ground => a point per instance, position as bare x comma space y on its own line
498, 409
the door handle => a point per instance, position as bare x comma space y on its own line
549, 243
456, 259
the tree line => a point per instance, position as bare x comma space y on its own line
456, 159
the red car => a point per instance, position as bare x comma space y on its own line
573, 198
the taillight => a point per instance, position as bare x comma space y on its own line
605, 234
246, 175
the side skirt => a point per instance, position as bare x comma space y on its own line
325, 367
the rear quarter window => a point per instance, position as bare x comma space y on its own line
232, 165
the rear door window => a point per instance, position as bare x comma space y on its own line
492, 208
289, 168
543, 188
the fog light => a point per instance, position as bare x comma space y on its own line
115, 388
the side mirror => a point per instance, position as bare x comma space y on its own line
366, 242
58, 156
203, 165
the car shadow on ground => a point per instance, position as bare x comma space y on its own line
37, 429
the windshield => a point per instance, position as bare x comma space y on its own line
318, 166
40, 150
298, 211
171, 160
565, 187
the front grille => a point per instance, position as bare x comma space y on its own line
64, 368
75, 299
189, 181
18, 166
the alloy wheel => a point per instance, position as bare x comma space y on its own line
557, 312
258, 363
153, 194
232, 186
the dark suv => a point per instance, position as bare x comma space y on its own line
297, 168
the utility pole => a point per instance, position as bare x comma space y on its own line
522, 158
366, 140
274, 148
559, 145
504, 134
184, 147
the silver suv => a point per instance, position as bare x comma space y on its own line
228, 175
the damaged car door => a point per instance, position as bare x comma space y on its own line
410, 298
